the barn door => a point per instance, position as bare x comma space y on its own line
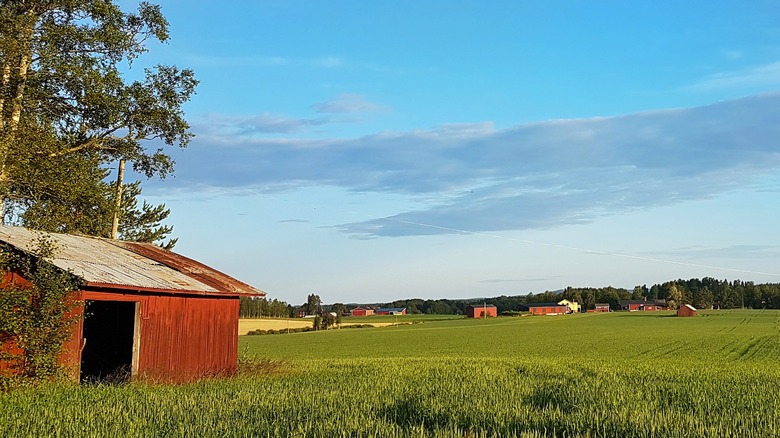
110, 341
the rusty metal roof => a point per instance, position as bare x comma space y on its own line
126, 265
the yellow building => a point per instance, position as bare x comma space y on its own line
574, 307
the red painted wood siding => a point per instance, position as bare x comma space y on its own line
547, 310
477, 312
182, 338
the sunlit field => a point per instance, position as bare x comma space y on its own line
246, 325
596, 375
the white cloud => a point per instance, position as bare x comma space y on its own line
328, 62
759, 76
529, 176
348, 103
217, 125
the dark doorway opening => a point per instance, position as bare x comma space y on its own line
109, 330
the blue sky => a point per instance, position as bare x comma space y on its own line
372, 151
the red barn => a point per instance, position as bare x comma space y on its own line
686, 310
362, 312
476, 311
544, 308
143, 311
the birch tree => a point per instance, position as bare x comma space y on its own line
64, 100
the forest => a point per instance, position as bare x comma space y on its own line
700, 293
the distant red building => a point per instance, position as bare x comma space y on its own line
643, 305
600, 307
476, 311
686, 310
544, 308
362, 312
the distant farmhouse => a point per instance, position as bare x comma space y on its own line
544, 308
391, 311
600, 307
642, 305
574, 307
141, 311
483, 311
362, 312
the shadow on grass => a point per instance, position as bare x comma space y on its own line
257, 367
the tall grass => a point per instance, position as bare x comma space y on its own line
635, 376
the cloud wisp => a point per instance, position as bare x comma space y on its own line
348, 103
539, 175
214, 126
763, 75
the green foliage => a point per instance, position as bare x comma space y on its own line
70, 195
257, 307
327, 321
67, 112
313, 305
34, 316
144, 224
702, 293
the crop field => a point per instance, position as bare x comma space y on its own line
246, 325
591, 375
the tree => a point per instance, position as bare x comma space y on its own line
313, 305
65, 104
70, 195
702, 298
673, 295
327, 321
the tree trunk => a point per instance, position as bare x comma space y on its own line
5, 81
118, 201
15, 95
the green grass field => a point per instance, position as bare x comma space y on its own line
591, 375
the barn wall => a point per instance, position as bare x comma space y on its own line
476, 312
686, 311
195, 336
183, 337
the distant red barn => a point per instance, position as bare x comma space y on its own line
144, 311
544, 308
483, 311
686, 310
362, 312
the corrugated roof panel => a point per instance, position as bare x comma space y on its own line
190, 267
98, 260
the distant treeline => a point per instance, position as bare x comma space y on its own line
251, 307
700, 293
